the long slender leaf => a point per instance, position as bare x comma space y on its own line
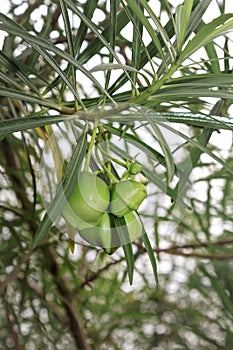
208, 32
8, 126
151, 255
161, 30
18, 95
201, 147
213, 57
64, 190
203, 80
170, 166
133, 5
183, 13
201, 120
69, 36
38, 43
196, 153
14, 68
136, 47
180, 93
128, 251
112, 37
93, 27
89, 8
199, 8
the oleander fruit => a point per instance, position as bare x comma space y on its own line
127, 195
134, 225
88, 201
99, 235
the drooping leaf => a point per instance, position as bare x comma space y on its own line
64, 190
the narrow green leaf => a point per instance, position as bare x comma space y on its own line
8, 126
195, 119
95, 30
97, 44
136, 45
180, 93
18, 95
44, 33
112, 36
170, 166
69, 36
216, 79
89, 8
10, 81
208, 32
197, 15
67, 26
36, 44
183, 13
39, 43
135, 8
196, 153
122, 231
227, 56
220, 291
213, 57
64, 190
199, 146
151, 50
151, 255
112, 66
161, 29
15, 68
148, 53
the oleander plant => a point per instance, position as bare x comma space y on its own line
116, 174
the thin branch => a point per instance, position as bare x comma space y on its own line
199, 244
69, 301
179, 249
14, 274
201, 255
51, 305
12, 331
93, 277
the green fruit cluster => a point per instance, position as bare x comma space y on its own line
91, 207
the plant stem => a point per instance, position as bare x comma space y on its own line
156, 85
92, 142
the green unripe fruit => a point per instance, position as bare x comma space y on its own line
134, 225
74, 220
134, 228
126, 196
104, 235
100, 235
88, 201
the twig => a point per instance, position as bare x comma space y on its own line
200, 255
199, 245
52, 306
97, 274
13, 333
69, 301
179, 249
14, 274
